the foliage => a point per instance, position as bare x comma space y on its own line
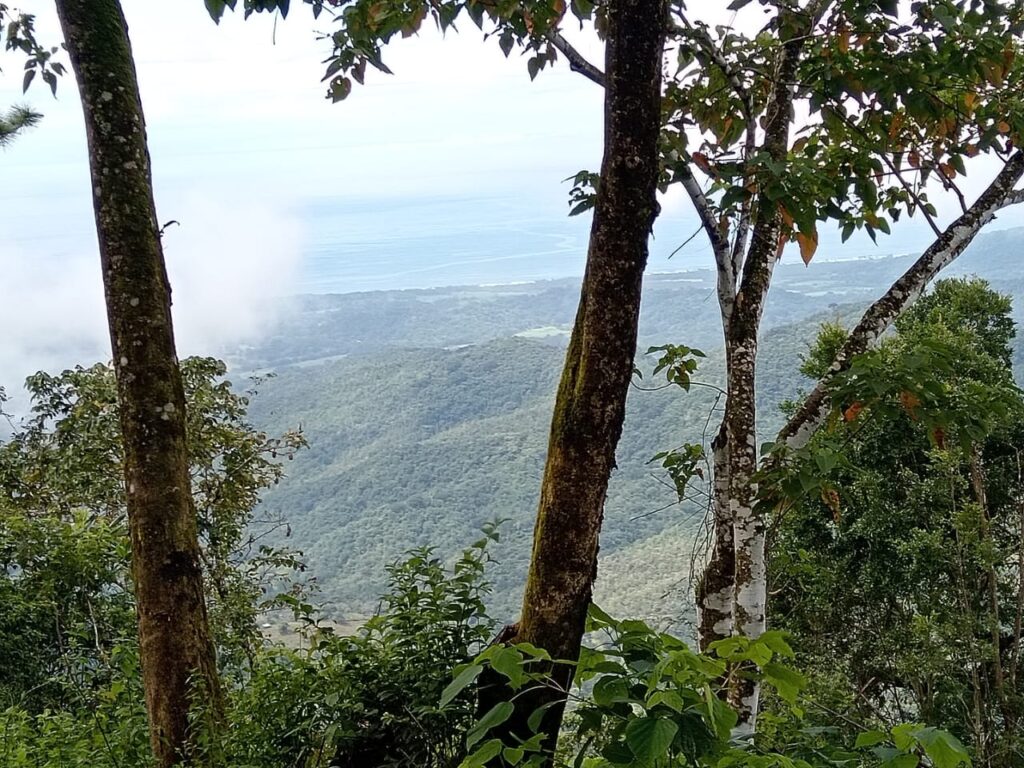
65, 582
16, 120
893, 100
106, 728
898, 567
371, 699
18, 33
363, 28
366, 699
643, 699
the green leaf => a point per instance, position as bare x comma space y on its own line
650, 737
870, 738
721, 717
216, 9
341, 87
902, 761
610, 690
461, 681
487, 752
787, 681
533, 66
533, 651
903, 736
535, 718
668, 698
595, 613
509, 663
497, 715
617, 753
943, 749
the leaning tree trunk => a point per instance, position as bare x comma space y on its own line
174, 637
591, 400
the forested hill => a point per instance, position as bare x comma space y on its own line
434, 419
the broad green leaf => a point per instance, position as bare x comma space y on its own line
488, 751
870, 739
509, 663
497, 715
650, 737
942, 748
787, 681
461, 681
668, 698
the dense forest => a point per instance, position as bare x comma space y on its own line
769, 514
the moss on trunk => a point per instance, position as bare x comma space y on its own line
590, 405
174, 636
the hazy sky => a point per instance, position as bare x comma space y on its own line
242, 141
244, 146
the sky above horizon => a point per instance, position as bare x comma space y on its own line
450, 171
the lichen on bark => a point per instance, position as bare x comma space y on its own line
174, 640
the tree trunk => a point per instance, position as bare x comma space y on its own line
174, 638
590, 405
739, 576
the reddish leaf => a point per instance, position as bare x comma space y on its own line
808, 245
910, 401
703, 163
830, 497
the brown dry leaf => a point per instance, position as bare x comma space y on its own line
808, 245
909, 401
895, 125
703, 163
843, 41
830, 497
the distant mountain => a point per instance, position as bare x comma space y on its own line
427, 414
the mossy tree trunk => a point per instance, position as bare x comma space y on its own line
590, 405
174, 636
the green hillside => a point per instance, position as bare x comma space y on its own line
381, 428
435, 419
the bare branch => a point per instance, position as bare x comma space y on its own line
719, 242
576, 61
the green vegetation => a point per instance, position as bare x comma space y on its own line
902, 582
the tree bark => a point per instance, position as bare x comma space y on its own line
174, 637
590, 404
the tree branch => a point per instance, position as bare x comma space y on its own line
719, 242
576, 61
904, 292
1013, 198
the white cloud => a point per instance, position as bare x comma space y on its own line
228, 263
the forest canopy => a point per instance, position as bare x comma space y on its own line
847, 494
